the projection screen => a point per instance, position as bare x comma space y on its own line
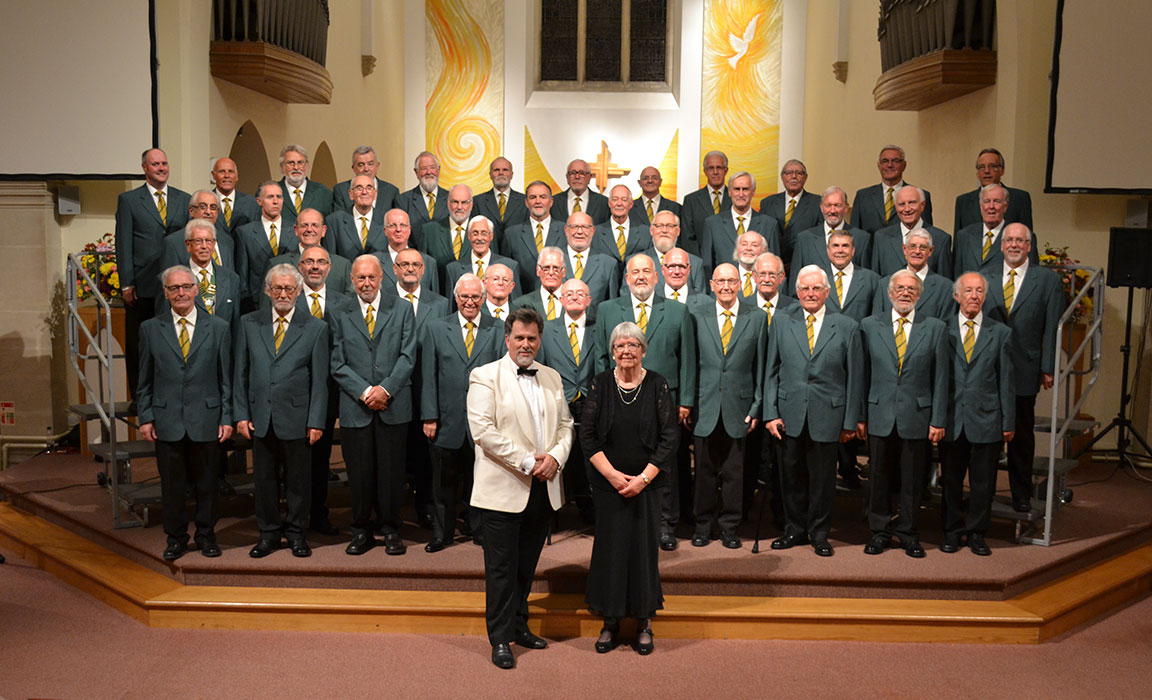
1099, 114
79, 98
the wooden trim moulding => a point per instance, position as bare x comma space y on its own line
271, 70
934, 78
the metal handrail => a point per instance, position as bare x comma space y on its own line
1065, 370
103, 398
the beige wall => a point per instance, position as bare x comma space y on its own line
843, 133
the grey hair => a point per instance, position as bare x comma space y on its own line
286, 270
919, 192
362, 151
416, 163
797, 162
630, 331
709, 154
469, 277
194, 225
832, 189
742, 173
292, 147
477, 218
892, 147
956, 285
901, 274
167, 274
808, 269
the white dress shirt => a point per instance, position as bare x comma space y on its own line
683, 296
907, 326
978, 323
1020, 273
321, 298
415, 296
530, 387
190, 319
845, 282
720, 316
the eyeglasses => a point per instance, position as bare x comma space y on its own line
395, 225
918, 246
794, 173
280, 289
627, 345
579, 173
676, 266
665, 227
413, 265
180, 287
201, 241
904, 289
985, 167
315, 261
206, 207
364, 188
551, 268
472, 298
580, 227
726, 282
891, 161
804, 289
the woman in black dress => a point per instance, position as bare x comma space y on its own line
629, 430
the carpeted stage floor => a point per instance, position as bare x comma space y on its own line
1111, 512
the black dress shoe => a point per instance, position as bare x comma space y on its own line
360, 543
324, 528
1022, 506
913, 549
530, 641
435, 545
977, 544
300, 548
644, 643
822, 548
667, 541
788, 541
607, 640
951, 544
699, 540
263, 548
174, 551
502, 656
210, 549
393, 545
878, 544
730, 540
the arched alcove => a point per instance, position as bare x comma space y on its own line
251, 157
323, 167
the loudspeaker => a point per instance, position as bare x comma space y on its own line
1130, 257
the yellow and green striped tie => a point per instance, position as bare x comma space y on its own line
642, 317
503, 206
747, 290
768, 311
901, 344
162, 207
228, 211
840, 288
470, 337
576, 206
279, 338
888, 206
551, 306
272, 239
431, 205
715, 202
969, 340
811, 333
539, 237
574, 341
726, 331
458, 242
987, 246
316, 310
620, 241
579, 272
788, 214
297, 202
364, 232
1009, 291
649, 210
185, 343
740, 228
370, 321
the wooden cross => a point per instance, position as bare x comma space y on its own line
603, 168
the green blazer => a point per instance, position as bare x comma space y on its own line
968, 208
444, 369
185, 398
140, 236
810, 248
1036, 308
386, 359
254, 255
730, 384
556, 352
386, 194
823, 389
693, 215
907, 402
519, 243
671, 338
888, 250
861, 294
176, 252
936, 299
286, 390
982, 399
415, 202
316, 196
719, 236
601, 274
343, 236
968, 255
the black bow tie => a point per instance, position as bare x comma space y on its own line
520, 371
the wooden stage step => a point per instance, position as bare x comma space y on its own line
159, 601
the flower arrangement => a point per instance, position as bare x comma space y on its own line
99, 260
1074, 279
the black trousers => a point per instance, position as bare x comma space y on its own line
763, 456
512, 545
808, 485
1022, 449
321, 460
719, 470
889, 455
375, 457
275, 462
577, 471
180, 463
978, 460
677, 487
419, 468
144, 309
451, 474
